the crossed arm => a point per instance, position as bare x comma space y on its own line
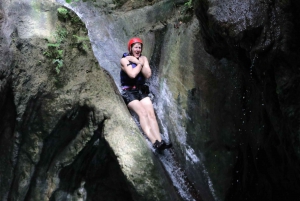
142, 66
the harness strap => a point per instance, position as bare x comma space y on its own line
129, 87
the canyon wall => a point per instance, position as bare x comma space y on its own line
225, 89
66, 133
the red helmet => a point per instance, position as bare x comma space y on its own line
134, 40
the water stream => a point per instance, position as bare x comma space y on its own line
108, 46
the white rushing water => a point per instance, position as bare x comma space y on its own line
108, 49
106, 46
180, 132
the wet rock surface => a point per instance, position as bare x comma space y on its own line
65, 131
254, 131
225, 90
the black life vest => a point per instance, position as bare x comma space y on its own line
126, 81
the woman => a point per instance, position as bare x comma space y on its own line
135, 70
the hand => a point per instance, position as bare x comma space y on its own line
141, 61
135, 60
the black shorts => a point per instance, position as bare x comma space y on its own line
135, 94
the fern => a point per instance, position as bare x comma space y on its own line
59, 63
53, 44
80, 39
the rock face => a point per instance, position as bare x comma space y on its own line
252, 145
225, 88
65, 131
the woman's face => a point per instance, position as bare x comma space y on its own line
136, 50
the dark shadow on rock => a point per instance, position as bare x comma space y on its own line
7, 138
94, 174
267, 164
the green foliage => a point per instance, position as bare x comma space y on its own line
75, 19
85, 47
80, 39
53, 45
65, 15
186, 11
47, 54
53, 49
81, 43
60, 34
59, 64
69, 1
189, 4
62, 12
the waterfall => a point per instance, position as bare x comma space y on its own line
102, 39
108, 46
168, 159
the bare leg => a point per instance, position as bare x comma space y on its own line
147, 104
145, 122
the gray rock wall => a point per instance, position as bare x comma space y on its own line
254, 134
225, 91
65, 131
